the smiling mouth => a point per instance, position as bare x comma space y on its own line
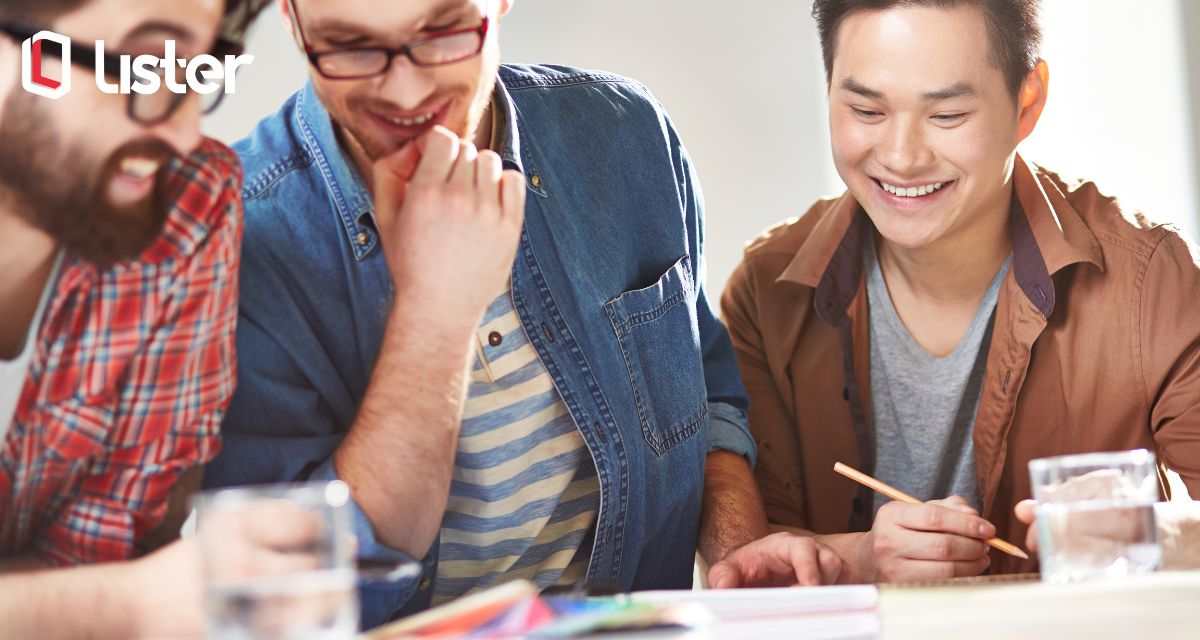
139, 168
411, 122
918, 191
411, 125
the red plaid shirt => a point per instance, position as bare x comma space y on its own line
132, 371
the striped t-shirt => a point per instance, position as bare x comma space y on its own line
525, 495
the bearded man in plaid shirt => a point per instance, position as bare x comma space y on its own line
120, 232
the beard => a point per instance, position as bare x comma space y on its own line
61, 188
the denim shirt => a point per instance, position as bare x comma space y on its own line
608, 283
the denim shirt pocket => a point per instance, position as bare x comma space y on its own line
657, 330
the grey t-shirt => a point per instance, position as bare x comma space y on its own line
923, 407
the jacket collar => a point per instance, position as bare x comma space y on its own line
1047, 235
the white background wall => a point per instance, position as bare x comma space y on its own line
744, 84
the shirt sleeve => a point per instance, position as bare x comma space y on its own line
778, 470
173, 394
1168, 334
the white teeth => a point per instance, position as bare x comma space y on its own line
139, 167
412, 122
911, 192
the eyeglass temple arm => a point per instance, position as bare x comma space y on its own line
297, 31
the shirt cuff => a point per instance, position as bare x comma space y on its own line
729, 430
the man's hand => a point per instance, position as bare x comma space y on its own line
1098, 533
778, 560
1025, 513
935, 540
449, 220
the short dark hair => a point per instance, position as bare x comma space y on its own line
1013, 26
239, 14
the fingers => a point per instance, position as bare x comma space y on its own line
778, 560
806, 566
463, 174
489, 169
392, 175
941, 546
439, 153
1024, 510
723, 575
400, 165
512, 196
958, 503
831, 565
940, 519
1025, 513
920, 570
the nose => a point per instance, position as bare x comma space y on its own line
406, 84
904, 151
182, 130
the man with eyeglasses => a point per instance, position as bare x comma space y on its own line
475, 292
119, 236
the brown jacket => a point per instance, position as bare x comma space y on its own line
1096, 347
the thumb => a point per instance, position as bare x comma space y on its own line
831, 565
723, 576
1024, 511
392, 174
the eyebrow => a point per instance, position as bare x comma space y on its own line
854, 86
337, 25
158, 28
957, 90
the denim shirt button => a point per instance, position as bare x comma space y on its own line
536, 181
363, 238
425, 583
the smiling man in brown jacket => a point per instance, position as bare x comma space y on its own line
959, 311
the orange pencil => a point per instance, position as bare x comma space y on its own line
896, 494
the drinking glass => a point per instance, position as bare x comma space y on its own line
1095, 515
278, 562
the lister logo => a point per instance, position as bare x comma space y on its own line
145, 74
34, 51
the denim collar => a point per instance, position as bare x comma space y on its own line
352, 200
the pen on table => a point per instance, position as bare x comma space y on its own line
896, 494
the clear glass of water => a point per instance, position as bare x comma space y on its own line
278, 562
1095, 515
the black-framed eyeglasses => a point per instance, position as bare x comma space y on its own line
433, 50
145, 109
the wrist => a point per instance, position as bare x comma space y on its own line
430, 316
131, 585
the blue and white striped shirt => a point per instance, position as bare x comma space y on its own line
525, 496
